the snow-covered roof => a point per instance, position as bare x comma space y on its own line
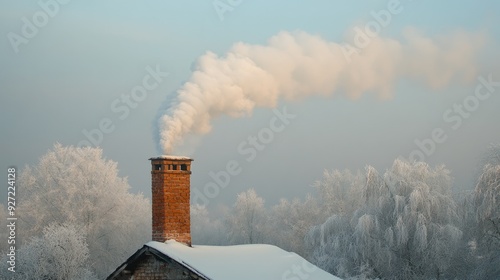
171, 157
243, 262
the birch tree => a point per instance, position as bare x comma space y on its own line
486, 226
487, 206
204, 229
79, 186
245, 222
406, 228
60, 253
290, 221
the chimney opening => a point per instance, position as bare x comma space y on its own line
157, 167
174, 166
184, 167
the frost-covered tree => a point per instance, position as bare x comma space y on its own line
60, 253
485, 228
79, 186
245, 222
405, 229
204, 229
290, 221
480, 212
491, 156
487, 206
340, 192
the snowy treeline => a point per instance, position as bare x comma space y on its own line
400, 224
77, 220
405, 225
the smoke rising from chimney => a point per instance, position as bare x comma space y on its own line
296, 65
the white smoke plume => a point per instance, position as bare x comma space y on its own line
296, 65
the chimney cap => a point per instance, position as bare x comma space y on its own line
170, 157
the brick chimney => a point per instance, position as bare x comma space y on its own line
170, 176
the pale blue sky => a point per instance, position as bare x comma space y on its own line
66, 77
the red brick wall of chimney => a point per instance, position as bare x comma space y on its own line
171, 199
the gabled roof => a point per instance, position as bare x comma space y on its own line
243, 262
131, 263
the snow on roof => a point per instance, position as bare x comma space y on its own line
243, 262
171, 157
